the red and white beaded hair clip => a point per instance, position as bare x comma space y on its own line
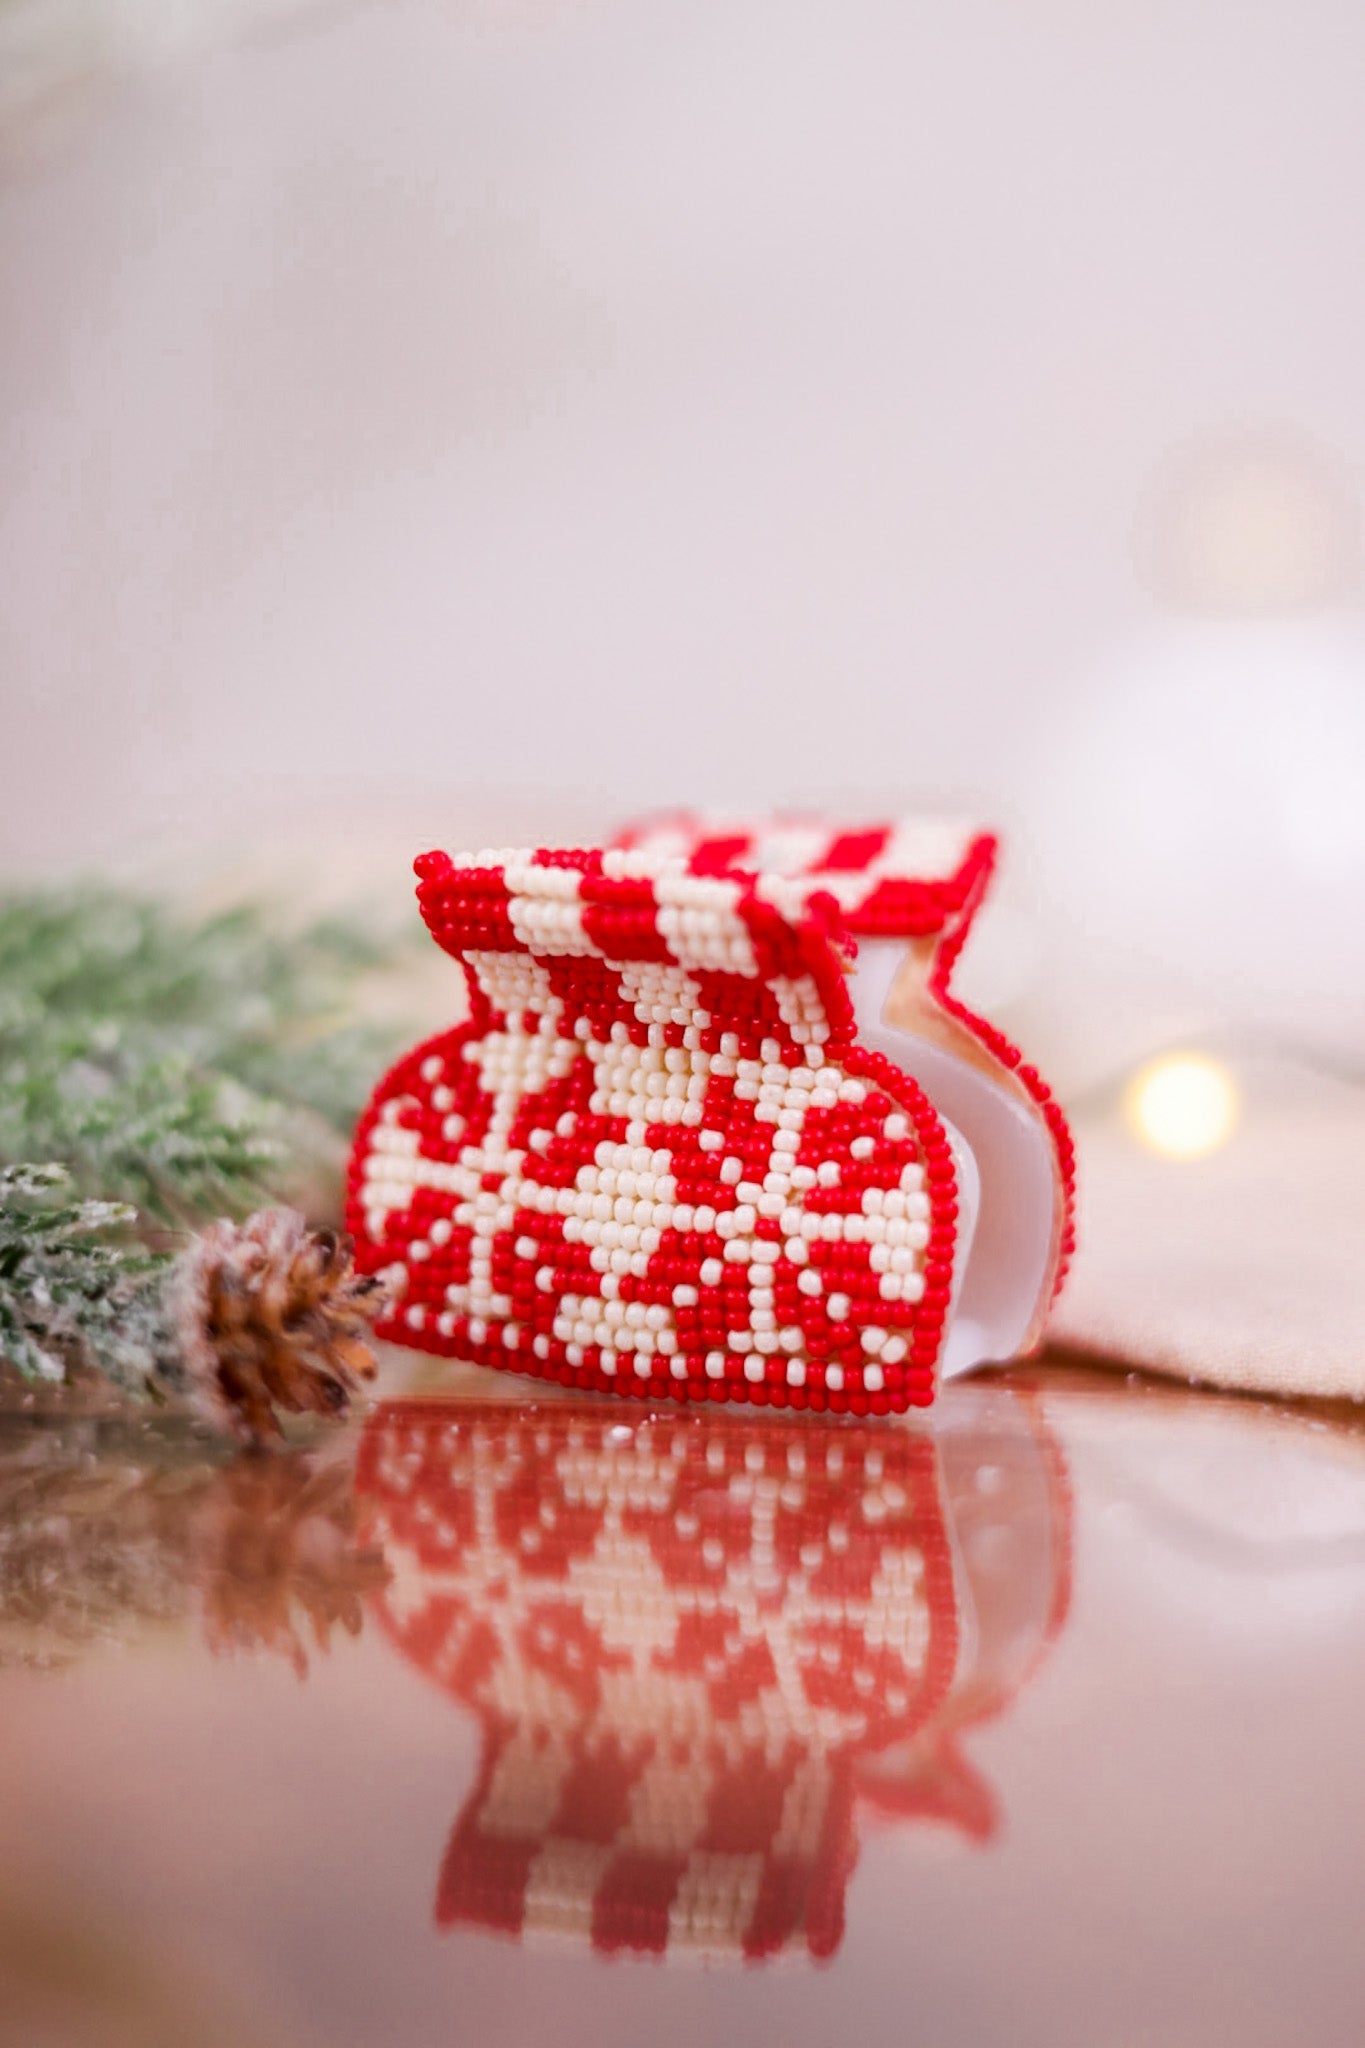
715, 1127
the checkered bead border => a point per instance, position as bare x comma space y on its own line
911, 879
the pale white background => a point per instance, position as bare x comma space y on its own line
422, 421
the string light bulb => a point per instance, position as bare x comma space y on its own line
1183, 1105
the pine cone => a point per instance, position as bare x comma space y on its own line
272, 1317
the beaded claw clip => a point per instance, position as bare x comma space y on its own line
683, 1148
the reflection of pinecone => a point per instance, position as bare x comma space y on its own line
88, 1555
274, 1536
109, 1532
271, 1316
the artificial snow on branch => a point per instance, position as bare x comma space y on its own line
250, 1321
78, 1291
187, 1068
157, 1078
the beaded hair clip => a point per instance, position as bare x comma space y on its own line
715, 1127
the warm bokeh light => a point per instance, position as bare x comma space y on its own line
1249, 523
1183, 1105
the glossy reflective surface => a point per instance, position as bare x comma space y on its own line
503, 1722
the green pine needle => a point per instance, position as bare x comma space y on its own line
171, 1065
171, 1072
77, 1288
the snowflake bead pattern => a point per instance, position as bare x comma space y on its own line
696, 1648
655, 1160
679, 1648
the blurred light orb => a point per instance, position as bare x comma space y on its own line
1183, 1105
1258, 522
1198, 822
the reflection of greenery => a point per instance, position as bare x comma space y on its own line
164, 1061
76, 1979
111, 1530
74, 1975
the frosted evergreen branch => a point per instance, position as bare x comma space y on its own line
172, 1065
78, 1290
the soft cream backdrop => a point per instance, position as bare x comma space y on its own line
451, 422
429, 420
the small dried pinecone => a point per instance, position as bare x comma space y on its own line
271, 1316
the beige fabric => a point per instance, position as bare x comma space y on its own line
1246, 1269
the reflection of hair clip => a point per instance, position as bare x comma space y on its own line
695, 1654
684, 1146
